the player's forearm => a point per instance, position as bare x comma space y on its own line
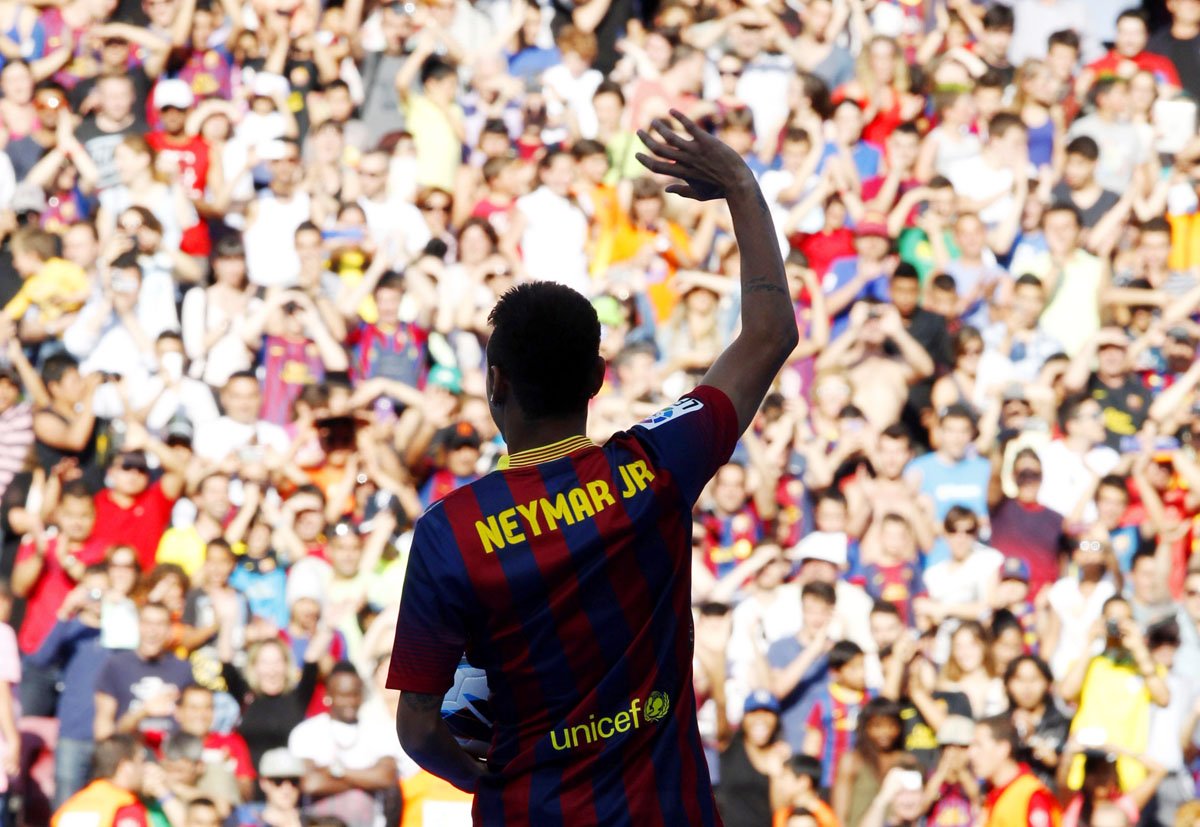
427, 741
766, 304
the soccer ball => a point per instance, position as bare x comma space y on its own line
467, 710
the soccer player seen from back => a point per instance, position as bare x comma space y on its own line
567, 575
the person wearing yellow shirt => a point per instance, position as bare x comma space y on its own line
432, 117
55, 286
185, 545
1114, 690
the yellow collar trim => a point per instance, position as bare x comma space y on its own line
546, 453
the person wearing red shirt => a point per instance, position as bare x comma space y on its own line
184, 153
132, 510
1016, 798
225, 753
47, 567
1129, 56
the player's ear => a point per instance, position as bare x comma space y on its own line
597, 378
496, 386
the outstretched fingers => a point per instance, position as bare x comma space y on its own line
658, 147
688, 124
683, 190
671, 136
657, 165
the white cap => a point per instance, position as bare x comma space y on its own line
173, 92
272, 150
828, 546
268, 84
280, 763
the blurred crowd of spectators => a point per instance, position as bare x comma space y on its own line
247, 251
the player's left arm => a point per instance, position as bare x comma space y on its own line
426, 740
431, 635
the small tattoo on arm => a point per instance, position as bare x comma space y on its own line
764, 287
420, 702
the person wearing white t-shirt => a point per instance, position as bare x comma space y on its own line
396, 225
550, 229
571, 85
349, 768
1071, 465
239, 428
273, 218
770, 612
988, 181
960, 587
1076, 603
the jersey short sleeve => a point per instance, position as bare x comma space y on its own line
1043, 810
431, 633
691, 438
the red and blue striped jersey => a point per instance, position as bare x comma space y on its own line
835, 715
567, 577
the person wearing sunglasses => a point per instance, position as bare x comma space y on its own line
279, 774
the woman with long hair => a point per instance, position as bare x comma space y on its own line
969, 670
1008, 639
953, 139
1102, 788
1036, 102
215, 317
1041, 725
18, 115
273, 692
691, 338
959, 385
879, 745
883, 88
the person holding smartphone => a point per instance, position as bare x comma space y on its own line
899, 802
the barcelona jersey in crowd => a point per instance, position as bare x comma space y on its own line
567, 577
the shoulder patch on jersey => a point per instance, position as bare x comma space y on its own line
684, 406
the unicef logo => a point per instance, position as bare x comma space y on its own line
657, 706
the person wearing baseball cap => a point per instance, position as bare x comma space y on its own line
1014, 569
173, 100
744, 794
280, 775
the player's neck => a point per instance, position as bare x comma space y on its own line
534, 433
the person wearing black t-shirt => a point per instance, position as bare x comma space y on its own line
116, 117
1180, 43
1123, 398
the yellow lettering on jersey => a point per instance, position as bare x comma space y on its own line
530, 512
580, 504
601, 496
489, 534
556, 512
536, 517
512, 530
636, 476
641, 474
630, 490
